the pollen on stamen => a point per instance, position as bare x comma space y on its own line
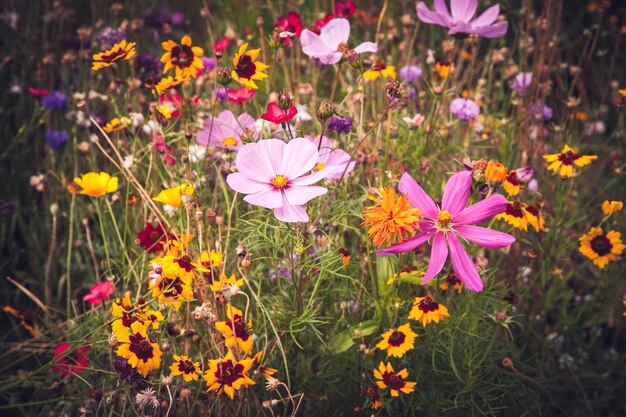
319, 166
443, 220
279, 181
229, 141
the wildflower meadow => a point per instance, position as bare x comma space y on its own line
308, 208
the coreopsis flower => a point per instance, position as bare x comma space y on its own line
96, 185
462, 21
426, 310
235, 330
184, 58
515, 214
99, 292
447, 223
443, 68
272, 174
72, 363
137, 348
152, 238
522, 82
373, 395
395, 381
228, 375
167, 83
226, 131
563, 163
120, 51
117, 123
210, 261
240, 95
512, 183
173, 196
391, 219
398, 341
336, 161
378, 70
452, 281
225, 282
180, 266
404, 274
611, 206
263, 370
27, 319
534, 217
186, 367
170, 290
246, 68
601, 248
495, 172
464, 109
332, 42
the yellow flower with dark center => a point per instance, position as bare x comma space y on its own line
263, 370
186, 367
611, 206
225, 282
398, 341
235, 330
180, 266
600, 248
167, 83
96, 185
117, 124
27, 319
228, 375
119, 51
170, 290
495, 172
515, 214
150, 317
452, 281
373, 395
563, 163
247, 69
395, 381
534, 217
184, 58
512, 184
174, 196
211, 261
426, 310
137, 348
392, 218
443, 68
124, 316
380, 69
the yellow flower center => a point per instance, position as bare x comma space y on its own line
229, 141
319, 166
443, 220
279, 181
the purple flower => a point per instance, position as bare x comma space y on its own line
148, 65
447, 223
462, 18
332, 42
541, 112
225, 131
220, 93
522, 83
411, 93
209, 63
410, 73
56, 138
54, 101
127, 373
464, 109
340, 124
109, 37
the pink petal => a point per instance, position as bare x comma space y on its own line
311, 178
335, 32
313, 46
272, 150
442, 10
496, 30
463, 265
428, 16
417, 196
408, 245
366, 47
291, 214
254, 163
487, 17
246, 185
301, 195
481, 211
291, 112
463, 10
299, 157
268, 198
330, 58
457, 191
483, 236
438, 256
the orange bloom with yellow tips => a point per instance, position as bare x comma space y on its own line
184, 58
137, 348
392, 219
235, 330
184, 366
426, 310
120, 51
495, 172
247, 69
601, 248
395, 381
174, 196
563, 163
378, 70
228, 375
398, 341
611, 206
96, 185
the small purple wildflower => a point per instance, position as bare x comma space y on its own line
464, 109
340, 124
54, 101
522, 83
56, 138
541, 112
410, 73
109, 37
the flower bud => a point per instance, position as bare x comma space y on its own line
326, 110
285, 100
223, 76
495, 172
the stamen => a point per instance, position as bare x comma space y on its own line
279, 181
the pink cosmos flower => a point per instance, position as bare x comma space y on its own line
72, 363
462, 18
447, 223
334, 160
272, 172
332, 42
240, 95
226, 131
99, 292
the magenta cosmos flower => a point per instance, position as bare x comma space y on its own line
272, 172
462, 18
330, 45
225, 131
447, 223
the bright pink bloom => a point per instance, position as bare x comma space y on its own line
222, 44
173, 102
277, 115
272, 173
167, 154
290, 23
72, 363
38, 92
445, 224
333, 160
240, 95
462, 18
99, 292
225, 131
331, 43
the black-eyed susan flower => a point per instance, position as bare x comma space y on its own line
378, 70
235, 330
181, 266
611, 206
512, 183
170, 290
137, 348
228, 375
184, 58
174, 196
398, 341
534, 217
515, 214
267, 372
117, 123
452, 281
120, 51
391, 219
96, 184
563, 163
247, 69
184, 366
388, 378
167, 83
495, 172
601, 248
426, 310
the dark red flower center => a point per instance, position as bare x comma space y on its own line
182, 56
393, 381
396, 338
171, 287
141, 347
227, 372
186, 367
241, 331
515, 209
601, 245
115, 55
184, 262
245, 68
568, 157
427, 305
127, 319
513, 178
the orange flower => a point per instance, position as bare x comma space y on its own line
392, 218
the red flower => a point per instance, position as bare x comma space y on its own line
277, 115
72, 363
345, 8
173, 102
164, 149
152, 238
290, 23
99, 292
38, 92
222, 44
240, 95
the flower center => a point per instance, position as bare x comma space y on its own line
279, 181
186, 367
319, 166
443, 221
245, 68
343, 47
396, 338
229, 141
182, 56
601, 245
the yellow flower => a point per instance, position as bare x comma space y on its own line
534, 217
263, 370
225, 281
119, 51
180, 266
512, 184
96, 185
170, 290
235, 330
622, 92
612, 206
228, 375
185, 367
388, 378
184, 58
247, 69
117, 124
405, 272
378, 70
452, 281
600, 248
167, 83
174, 196
562, 163
519, 215
392, 218
398, 341
426, 310
443, 68
140, 352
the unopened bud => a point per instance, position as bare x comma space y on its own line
223, 76
326, 110
285, 100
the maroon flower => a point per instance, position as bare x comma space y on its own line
72, 363
152, 238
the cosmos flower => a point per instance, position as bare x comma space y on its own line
398, 341
184, 58
395, 381
601, 248
72, 363
96, 185
445, 224
464, 109
462, 21
336, 161
246, 68
277, 115
137, 348
563, 163
332, 42
426, 310
226, 131
119, 51
184, 366
228, 375
99, 292
240, 95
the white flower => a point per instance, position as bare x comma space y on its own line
137, 118
128, 161
196, 153
414, 121
152, 127
303, 113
